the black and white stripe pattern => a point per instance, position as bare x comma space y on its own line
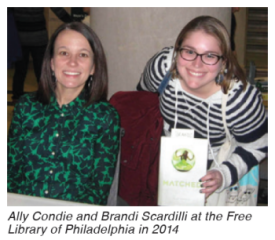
245, 116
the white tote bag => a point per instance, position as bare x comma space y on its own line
245, 191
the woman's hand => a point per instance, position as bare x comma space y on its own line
211, 182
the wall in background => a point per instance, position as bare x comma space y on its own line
240, 35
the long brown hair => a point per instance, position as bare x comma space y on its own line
214, 27
97, 91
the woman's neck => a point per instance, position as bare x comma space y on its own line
204, 92
65, 96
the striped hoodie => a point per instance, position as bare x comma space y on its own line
246, 117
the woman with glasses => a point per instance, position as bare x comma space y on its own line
201, 68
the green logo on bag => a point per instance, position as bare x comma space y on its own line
183, 159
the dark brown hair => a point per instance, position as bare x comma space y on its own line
214, 27
98, 87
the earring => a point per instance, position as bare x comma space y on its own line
90, 80
53, 76
220, 76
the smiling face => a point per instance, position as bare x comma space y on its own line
72, 61
196, 77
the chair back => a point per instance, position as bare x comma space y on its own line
113, 195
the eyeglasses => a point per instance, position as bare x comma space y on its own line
207, 58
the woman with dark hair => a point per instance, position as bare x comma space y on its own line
63, 139
201, 70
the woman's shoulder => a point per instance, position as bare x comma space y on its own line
168, 50
102, 108
27, 104
240, 99
167, 54
28, 99
238, 90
